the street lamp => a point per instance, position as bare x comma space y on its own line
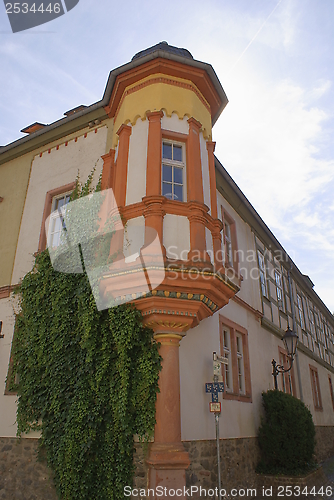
290, 340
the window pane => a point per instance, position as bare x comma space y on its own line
167, 190
239, 350
60, 203
56, 225
178, 192
227, 231
166, 173
226, 339
167, 151
177, 153
178, 177
55, 240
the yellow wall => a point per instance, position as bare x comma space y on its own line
14, 177
179, 96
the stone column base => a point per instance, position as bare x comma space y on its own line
167, 469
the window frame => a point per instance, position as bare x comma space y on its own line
178, 140
227, 219
236, 331
55, 216
331, 390
11, 379
50, 195
279, 287
300, 310
316, 392
263, 272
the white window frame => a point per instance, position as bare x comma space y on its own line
300, 311
228, 242
279, 288
240, 363
263, 274
175, 163
228, 373
54, 216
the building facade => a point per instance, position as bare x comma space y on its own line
229, 286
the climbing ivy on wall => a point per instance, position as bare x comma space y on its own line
88, 380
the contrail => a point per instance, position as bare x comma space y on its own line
252, 40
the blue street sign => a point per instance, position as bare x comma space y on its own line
214, 389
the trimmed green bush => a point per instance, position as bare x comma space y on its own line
286, 435
88, 380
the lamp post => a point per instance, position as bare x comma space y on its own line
290, 340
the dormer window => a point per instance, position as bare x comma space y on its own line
173, 170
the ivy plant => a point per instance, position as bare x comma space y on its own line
88, 380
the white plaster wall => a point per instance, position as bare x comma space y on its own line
136, 180
8, 425
53, 170
7, 403
325, 417
175, 124
205, 172
238, 419
248, 267
176, 236
134, 237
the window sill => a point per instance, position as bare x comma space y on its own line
10, 393
232, 396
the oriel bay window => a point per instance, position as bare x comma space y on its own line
236, 374
173, 170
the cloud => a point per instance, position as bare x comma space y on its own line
269, 139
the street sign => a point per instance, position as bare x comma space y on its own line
215, 407
214, 389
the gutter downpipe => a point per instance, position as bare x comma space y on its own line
294, 326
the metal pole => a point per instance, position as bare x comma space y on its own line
215, 379
218, 454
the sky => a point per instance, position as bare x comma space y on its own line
275, 61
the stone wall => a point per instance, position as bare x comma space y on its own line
22, 475
324, 446
238, 458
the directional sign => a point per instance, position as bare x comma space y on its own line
215, 407
214, 389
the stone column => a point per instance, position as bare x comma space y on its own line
210, 146
168, 459
194, 166
154, 145
153, 200
108, 171
121, 173
195, 195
